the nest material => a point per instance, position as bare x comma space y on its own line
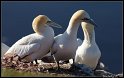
66, 69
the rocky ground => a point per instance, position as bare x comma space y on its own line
65, 69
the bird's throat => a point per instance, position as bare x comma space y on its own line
73, 28
89, 34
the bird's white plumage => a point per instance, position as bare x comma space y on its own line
4, 49
79, 43
65, 44
88, 53
35, 45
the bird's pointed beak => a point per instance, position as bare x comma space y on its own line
91, 21
53, 24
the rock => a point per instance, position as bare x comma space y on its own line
25, 66
101, 66
16, 58
85, 69
48, 59
65, 69
103, 73
46, 71
71, 61
15, 62
119, 75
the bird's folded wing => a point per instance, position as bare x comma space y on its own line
23, 50
54, 46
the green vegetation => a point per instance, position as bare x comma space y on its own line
13, 73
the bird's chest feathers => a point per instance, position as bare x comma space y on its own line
68, 46
89, 50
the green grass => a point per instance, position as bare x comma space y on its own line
13, 73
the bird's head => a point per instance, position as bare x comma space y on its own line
83, 16
43, 21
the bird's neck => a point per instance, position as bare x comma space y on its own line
89, 33
39, 29
73, 28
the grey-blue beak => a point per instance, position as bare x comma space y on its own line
91, 21
53, 24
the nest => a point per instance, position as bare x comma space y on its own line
66, 69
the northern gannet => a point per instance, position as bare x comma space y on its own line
66, 44
36, 45
4, 48
88, 53
48, 58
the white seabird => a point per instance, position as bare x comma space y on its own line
4, 48
88, 53
48, 58
36, 45
66, 44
